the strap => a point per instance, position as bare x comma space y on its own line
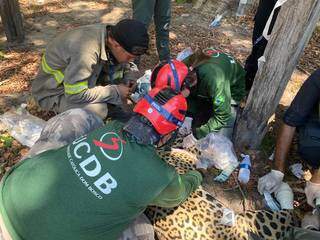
58, 75
168, 116
75, 88
175, 76
265, 34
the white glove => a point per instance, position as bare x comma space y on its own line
270, 182
312, 191
185, 129
189, 141
284, 196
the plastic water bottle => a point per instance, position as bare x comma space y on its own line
244, 172
241, 8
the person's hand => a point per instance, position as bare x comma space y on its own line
124, 91
185, 129
312, 191
189, 141
270, 182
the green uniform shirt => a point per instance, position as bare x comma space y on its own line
89, 190
220, 80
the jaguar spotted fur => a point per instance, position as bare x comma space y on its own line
199, 217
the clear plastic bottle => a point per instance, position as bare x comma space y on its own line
241, 8
244, 172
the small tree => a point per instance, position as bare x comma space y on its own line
12, 20
292, 31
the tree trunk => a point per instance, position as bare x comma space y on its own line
12, 20
293, 29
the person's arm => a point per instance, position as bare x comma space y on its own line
315, 176
76, 83
296, 115
178, 190
219, 91
283, 144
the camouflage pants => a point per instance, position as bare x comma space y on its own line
63, 129
143, 10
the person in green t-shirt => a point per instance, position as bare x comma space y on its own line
94, 187
214, 86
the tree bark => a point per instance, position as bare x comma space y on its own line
293, 29
12, 20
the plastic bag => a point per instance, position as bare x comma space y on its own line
216, 150
216, 21
143, 86
23, 126
296, 170
228, 217
184, 54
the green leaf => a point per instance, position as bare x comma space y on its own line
6, 140
2, 55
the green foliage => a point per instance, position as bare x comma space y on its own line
2, 55
6, 140
268, 144
183, 1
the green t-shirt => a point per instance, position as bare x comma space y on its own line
90, 189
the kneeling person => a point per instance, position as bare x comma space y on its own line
88, 67
96, 186
303, 115
214, 87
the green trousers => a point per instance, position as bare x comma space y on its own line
160, 10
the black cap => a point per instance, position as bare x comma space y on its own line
132, 35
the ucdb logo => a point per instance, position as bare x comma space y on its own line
111, 145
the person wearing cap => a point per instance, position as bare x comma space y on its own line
160, 10
99, 183
88, 67
302, 115
214, 86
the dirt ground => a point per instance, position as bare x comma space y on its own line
43, 21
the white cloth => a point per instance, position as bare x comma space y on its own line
312, 191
